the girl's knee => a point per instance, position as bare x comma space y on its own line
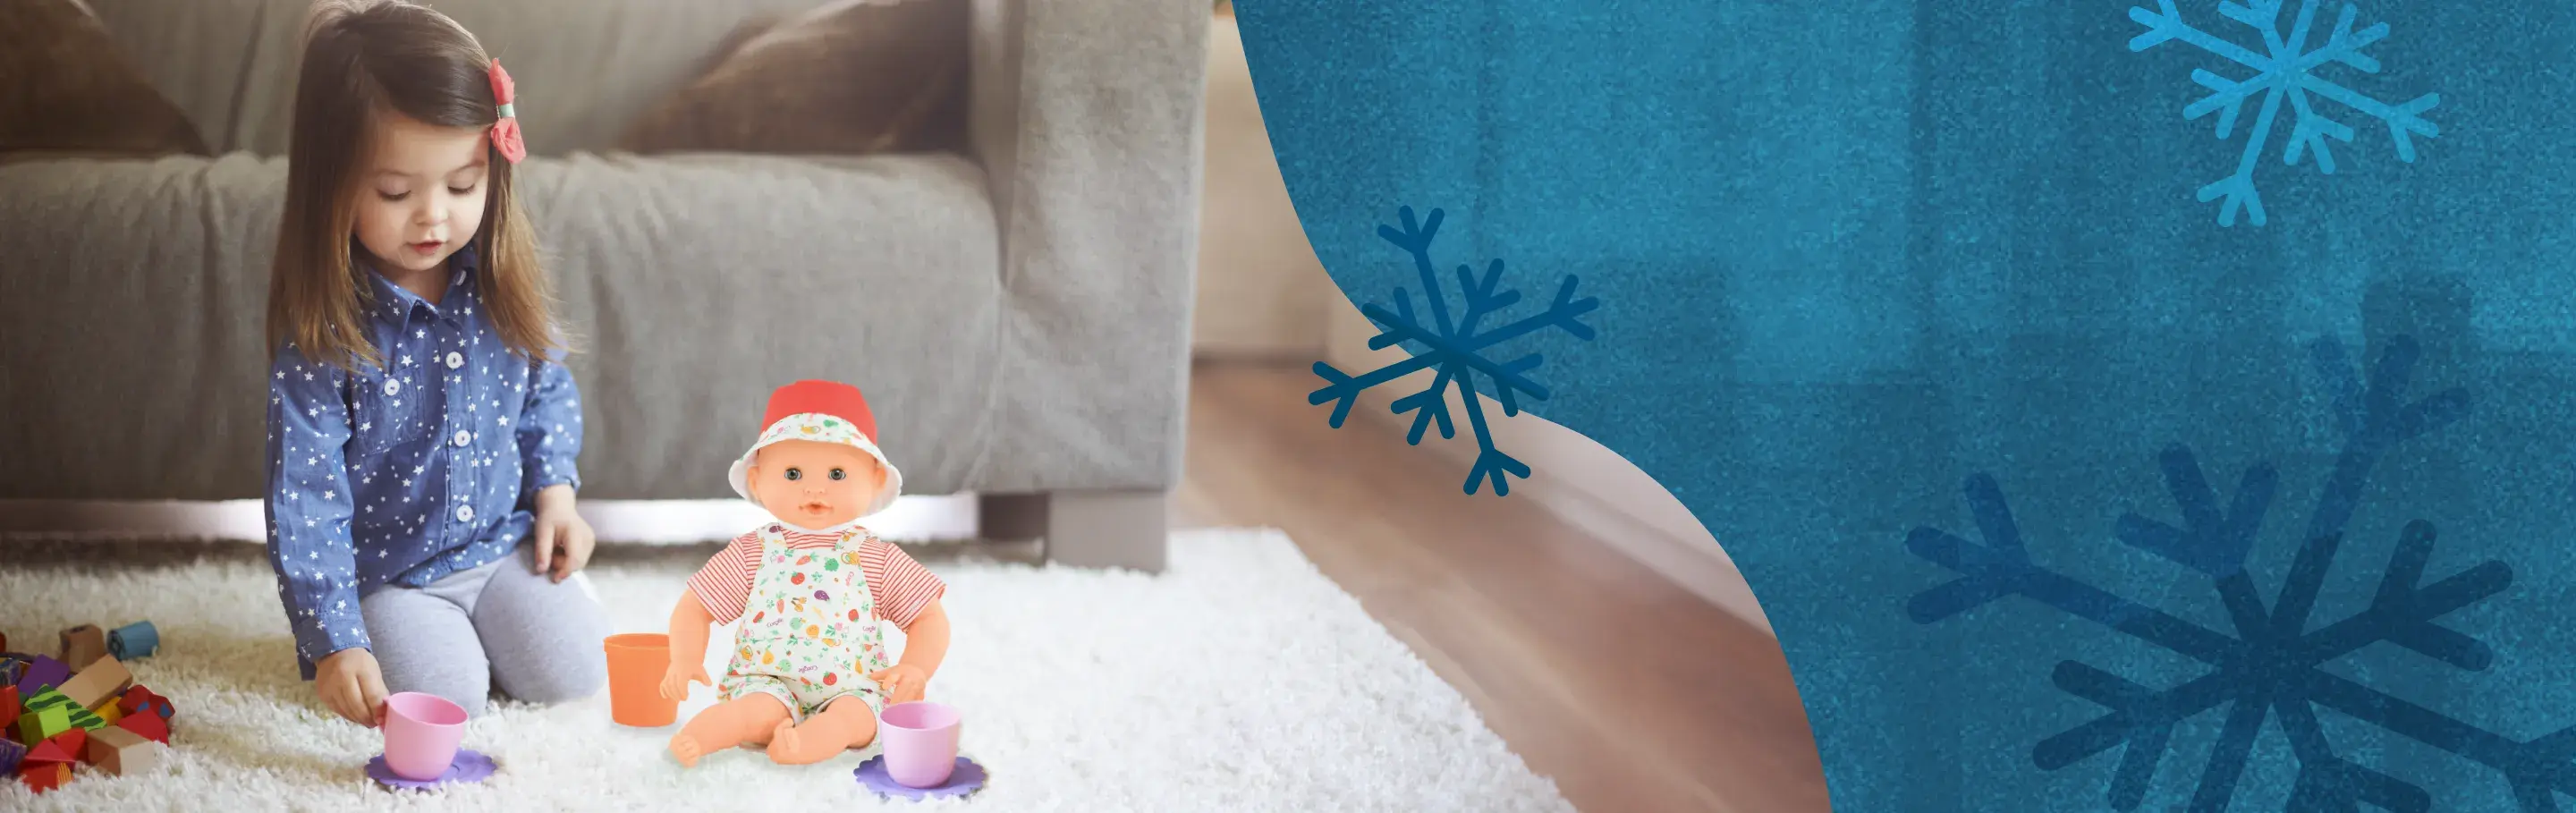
475, 703
457, 682
559, 681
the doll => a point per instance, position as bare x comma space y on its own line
809, 671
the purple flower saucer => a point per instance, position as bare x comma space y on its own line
470, 767
967, 777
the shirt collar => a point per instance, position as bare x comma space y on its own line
396, 303
834, 530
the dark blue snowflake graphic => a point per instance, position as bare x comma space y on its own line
2285, 70
2271, 664
1455, 349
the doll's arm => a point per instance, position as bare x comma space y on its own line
926, 641
727, 578
689, 622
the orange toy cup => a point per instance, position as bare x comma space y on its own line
636, 661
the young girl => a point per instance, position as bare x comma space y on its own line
421, 430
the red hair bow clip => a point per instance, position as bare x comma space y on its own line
505, 132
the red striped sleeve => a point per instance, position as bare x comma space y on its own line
900, 585
724, 584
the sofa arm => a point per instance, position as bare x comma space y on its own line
1087, 117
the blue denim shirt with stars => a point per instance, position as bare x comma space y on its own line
406, 472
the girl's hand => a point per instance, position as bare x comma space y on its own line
902, 682
564, 539
350, 684
676, 680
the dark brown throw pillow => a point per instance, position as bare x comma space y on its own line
852, 77
65, 88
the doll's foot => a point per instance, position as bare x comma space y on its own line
787, 747
839, 727
687, 749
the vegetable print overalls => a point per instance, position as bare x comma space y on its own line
810, 636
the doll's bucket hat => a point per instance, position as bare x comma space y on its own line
823, 411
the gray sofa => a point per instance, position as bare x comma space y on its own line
1019, 316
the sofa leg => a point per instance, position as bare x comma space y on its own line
1122, 529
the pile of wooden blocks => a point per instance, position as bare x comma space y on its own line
55, 716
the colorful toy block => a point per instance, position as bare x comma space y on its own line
139, 699
11, 753
109, 712
72, 741
76, 714
102, 679
39, 725
83, 644
121, 752
42, 673
46, 766
49, 751
12, 667
43, 777
134, 641
151, 726
9, 707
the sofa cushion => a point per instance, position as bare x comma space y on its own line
691, 285
853, 77
66, 88
701, 282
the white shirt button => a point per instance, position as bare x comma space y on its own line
463, 437
465, 513
393, 387
455, 360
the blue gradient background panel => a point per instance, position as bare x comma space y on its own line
2060, 494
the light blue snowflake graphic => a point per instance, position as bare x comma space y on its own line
2273, 663
2285, 70
1455, 349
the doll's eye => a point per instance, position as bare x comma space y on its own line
837, 474
795, 474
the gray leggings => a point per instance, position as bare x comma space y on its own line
500, 626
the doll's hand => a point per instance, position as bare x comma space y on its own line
902, 682
563, 538
676, 680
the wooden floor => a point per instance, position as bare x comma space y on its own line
1631, 692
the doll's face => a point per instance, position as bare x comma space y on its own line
814, 484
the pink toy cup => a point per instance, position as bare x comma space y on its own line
920, 742
421, 734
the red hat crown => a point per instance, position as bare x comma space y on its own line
826, 397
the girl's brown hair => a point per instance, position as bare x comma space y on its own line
364, 59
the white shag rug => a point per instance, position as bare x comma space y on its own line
1240, 679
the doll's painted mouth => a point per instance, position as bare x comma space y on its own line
816, 507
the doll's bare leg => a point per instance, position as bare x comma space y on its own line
846, 723
726, 725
